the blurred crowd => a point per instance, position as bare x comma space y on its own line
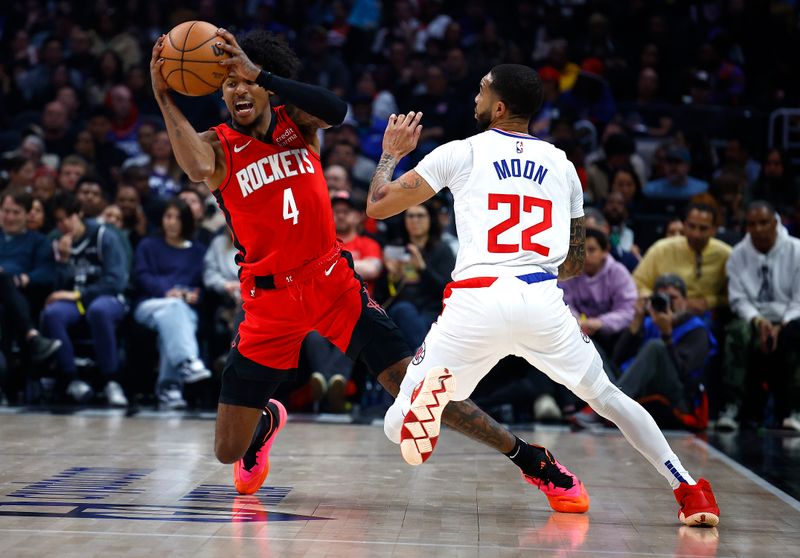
117, 278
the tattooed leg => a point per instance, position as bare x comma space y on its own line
463, 416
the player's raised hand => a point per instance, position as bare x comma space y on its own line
402, 134
238, 60
158, 81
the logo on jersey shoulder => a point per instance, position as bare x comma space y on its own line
519, 147
272, 168
286, 137
420, 354
238, 148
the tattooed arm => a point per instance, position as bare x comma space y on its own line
194, 153
573, 265
389, 197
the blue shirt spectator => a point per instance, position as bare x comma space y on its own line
677, 184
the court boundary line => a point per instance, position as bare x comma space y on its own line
353, 542
750, 475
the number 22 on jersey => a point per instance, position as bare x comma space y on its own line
290, 210
517, 204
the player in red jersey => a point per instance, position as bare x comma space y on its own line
264, 169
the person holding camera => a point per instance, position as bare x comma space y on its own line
664, 350
167, 275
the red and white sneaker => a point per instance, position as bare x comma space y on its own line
574, 499
422, 422
698, 505
251, 470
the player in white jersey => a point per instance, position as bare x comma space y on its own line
519, 216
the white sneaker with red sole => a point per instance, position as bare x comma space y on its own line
423, 421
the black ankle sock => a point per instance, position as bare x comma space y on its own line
536, 462
264, 429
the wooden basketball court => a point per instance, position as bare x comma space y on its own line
101, 484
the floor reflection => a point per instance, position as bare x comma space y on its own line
563, 532
697, 541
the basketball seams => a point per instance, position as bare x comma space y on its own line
185, 40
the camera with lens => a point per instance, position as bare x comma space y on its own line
659, 302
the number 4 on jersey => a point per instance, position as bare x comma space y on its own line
289, 206
527, 203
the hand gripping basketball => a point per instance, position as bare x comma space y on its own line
238, 60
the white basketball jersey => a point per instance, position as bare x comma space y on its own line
514, 198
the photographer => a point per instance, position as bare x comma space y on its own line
665, 348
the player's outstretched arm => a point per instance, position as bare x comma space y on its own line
573, 265
194, 155
389, 197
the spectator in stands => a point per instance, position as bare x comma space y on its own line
677, 184
664, 350
763, 342
134, 221
58, 138
91, 195
367, 255
26, 275
194, 200
615, 212
603, 298
346, 154
618, 149
91, 276
625, 181
223, 291
20, 172
776, 184
649, 115
145, 137
698, 258
168, 275
36, 220
338, 179
70, 171
124, 119
736, 160
728, 191
108, 73
596, 220
107, 154
674, 227
32, 149
418, 270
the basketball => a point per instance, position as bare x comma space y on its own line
191, 59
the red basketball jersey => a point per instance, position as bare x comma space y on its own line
275, 198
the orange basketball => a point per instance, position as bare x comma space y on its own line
191, 59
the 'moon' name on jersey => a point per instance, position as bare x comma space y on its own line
514, 198
275, 198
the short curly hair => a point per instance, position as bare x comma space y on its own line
271, 52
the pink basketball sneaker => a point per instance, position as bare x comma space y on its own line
251, 470
565, 491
